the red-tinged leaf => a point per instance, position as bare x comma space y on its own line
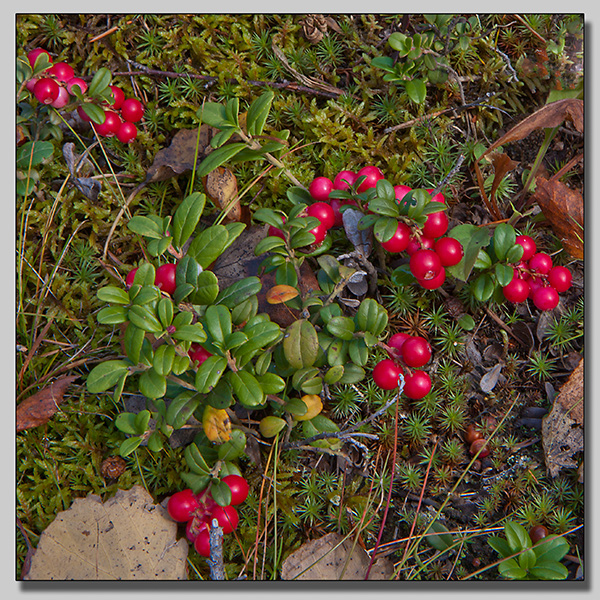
281, 293
40, 408
563, 207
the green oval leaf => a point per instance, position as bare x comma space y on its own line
152, 384
246, 388
110, 293
186, 218
182, 408
144, 318
105, 375
218, 157
234, 447
300, 344
209, 373
112, 315
258, 113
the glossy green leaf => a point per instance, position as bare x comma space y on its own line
31, 154
385, 228
197, 483
152, 384
99, 83
442, 540
384, 207
268, 216
182, 408
208, 245
504, 274
218, 157
112, 315
551, 548
94, 112
126, 422
371, 316
416, 90
341, 327
144, 318
334, 374
258, 113
142, 420
165, 311
190, 333
352, 374
164, 356
504, 240
238, 292
105, 375
337, 352
516, 536
483, 260
271, 383
472, 238
194, 460
145, 226
207, 288
510, 569
155, 442
515, 254
549, 571
234, 447
221, 395
129, 445
359, 352
300, 344
212, 114
186, 218
209, 373
483, 287
218, 322
220, 492
244, 311
111, 293
246, 388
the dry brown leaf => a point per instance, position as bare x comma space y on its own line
40, 408
563, 207
220, 186
550, 115
126, 537
281, 293
179, 156
333, 558
502, 165
562, 428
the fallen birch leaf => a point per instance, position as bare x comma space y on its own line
41, 407
563, 207
126, 537
562, 428
333, 558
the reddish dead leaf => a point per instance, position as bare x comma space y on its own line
502, 165
220, 186
40, 408
281, 293
550, 115
562, 428
563, 207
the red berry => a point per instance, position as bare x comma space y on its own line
398, 339
535, 283
46, 90
386, 374
449, 250
182, 505
202, 542
425, 264
399, 241
63, 98
238, 486
436, 224
61, 71
435, 282
194, 526
344, 179
132, 110
421, 243
323, 212
336, 205
516, 291
540, 263
401, 191
560, 278
76, 81
373, 175
439, 197
165, 278
529, 247
32, 56
417, 385
319, 232
110, 126
274, 231
416, 351
127, 132
130, 277
477, 445
545, 298
320, 188
198, 354
118, 97
227, 516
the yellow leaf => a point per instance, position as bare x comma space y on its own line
281, 293
217, 425
314, 406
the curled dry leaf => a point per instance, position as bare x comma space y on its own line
333, 558
220, 186
126, 537
40, 408
563, 207
562, 428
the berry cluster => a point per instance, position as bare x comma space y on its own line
536, 278
198, 511
407, 354
165, 278
58, 84
429, 249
